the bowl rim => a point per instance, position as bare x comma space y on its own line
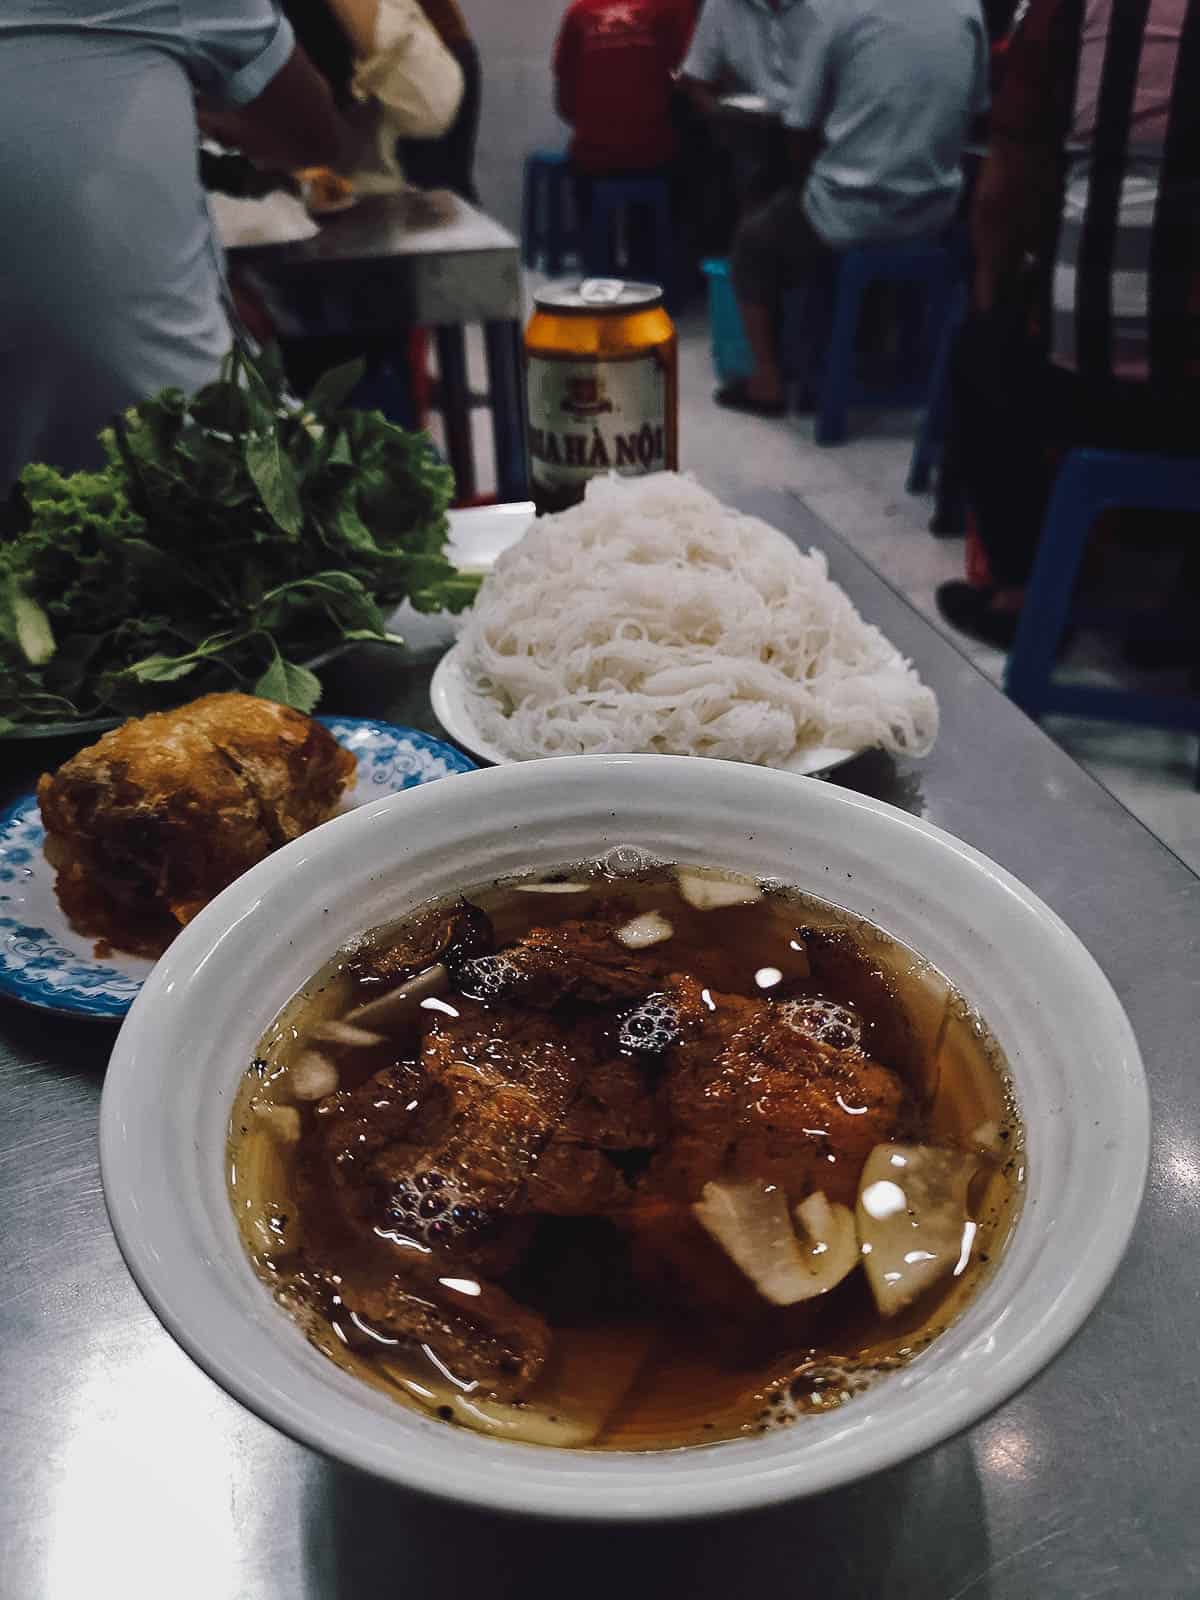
506, 1487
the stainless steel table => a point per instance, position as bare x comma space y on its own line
413, 260
127, 1472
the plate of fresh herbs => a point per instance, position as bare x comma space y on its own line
233, 539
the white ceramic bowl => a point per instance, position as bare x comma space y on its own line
191, 1032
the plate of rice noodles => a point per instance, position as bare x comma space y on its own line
652, 618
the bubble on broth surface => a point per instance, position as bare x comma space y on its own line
822, 1386
431, 1209
651, 1027
489, 977
627, 861
826, 1021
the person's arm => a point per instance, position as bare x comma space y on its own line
704, 64
256, 90
566, 67
702, 95
359, 21
292, 123
1017, 189
813, 83
803, 148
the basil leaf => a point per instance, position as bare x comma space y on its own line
274, 479
290, 684
162, 669
333, 388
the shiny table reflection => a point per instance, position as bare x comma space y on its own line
126, 1471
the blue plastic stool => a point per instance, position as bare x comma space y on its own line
730, 352
929, 264
547, 203
927, 450
613, 199
1089, 483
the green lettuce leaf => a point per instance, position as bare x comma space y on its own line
230, 534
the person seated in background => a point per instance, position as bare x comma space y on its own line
745, 47
1085, 327
400, 88
614, 66
448, 162
882, 100
110, 280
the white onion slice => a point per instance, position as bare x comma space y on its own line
552, 888
750, 1222
650, 928
830, 1235
346, 1034
710, 892
590, 1379
912, 1219
313, 1076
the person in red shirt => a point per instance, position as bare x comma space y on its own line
613, 68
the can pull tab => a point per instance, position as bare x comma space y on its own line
601, 291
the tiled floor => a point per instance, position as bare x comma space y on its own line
858, 490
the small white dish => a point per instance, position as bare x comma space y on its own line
452, 707
173, 1076
45, 963
479, 534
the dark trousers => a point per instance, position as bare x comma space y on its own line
1015, 411
775, 248
449, 162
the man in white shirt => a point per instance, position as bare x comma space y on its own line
734, 154
747, 46
882, 100
110, 280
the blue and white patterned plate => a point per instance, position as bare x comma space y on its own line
45, 963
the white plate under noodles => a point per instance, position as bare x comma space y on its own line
452, 702
652, 618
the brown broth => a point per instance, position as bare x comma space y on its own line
623, 1373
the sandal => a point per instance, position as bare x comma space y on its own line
970, 611
736, 396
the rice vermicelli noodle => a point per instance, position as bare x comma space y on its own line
653, 618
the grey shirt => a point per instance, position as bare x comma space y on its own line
892, 87
110, 279
746, 45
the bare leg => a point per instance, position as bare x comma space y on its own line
765, 383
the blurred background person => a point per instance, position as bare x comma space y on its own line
1086, 229
111, 283
736, 153
448, 162
745, 47
881, 102
399, 86
614, 79
614, 66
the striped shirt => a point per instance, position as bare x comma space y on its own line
1116, 87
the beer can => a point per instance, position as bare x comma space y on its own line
603, 386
